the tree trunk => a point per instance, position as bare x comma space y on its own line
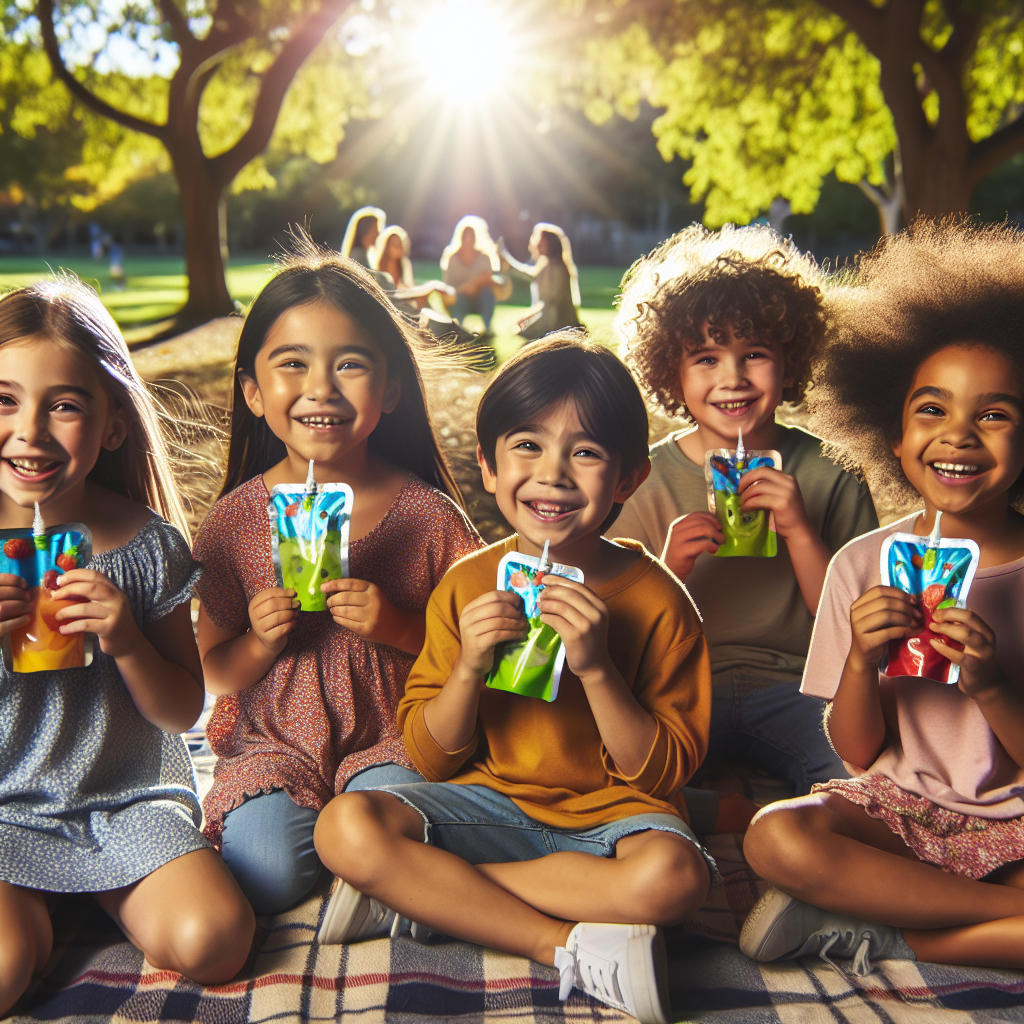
208, 295
936, 175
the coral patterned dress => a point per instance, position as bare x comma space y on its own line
326, 709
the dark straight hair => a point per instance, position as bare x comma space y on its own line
566, 367
404, 437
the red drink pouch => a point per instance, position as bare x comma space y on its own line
937, 572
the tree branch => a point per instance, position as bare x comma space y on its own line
867, 21
966, 30
275, 83
44, 11
990, 152
180, 32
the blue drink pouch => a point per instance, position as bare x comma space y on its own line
937, 573
746, 533
39, 555
531, 667
309, 537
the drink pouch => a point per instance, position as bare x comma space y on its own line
309, 537
39, 556
746, 533
532, 666
937, 572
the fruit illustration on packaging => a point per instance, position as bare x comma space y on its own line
19, 548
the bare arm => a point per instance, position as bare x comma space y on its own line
235, 659
160, 666
1000, 698
856, 722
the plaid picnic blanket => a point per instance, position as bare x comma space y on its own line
94, 976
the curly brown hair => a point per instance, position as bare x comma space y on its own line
749, 278
937, 284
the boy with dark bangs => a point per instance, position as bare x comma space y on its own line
538, 818
722, 328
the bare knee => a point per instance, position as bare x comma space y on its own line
26, 938
779, 844
208, 944
353, 835
669, 879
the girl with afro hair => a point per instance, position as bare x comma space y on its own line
921, 854
722, 327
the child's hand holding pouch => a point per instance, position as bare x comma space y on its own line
532, 666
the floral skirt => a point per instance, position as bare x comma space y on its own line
961, 844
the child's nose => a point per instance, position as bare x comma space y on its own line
32, 426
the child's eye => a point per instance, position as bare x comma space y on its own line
931, 410
66, 407
526, 446
292, 364
351, 364
7, 400
587, 453
996, 415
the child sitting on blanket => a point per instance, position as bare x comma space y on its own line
537, 815
925, 389
722, 327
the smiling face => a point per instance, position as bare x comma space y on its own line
962, 445
55, 417
554, 483
321, 382
731, 383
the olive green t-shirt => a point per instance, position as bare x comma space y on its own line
754, 615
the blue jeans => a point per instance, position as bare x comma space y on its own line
767, 724
268, 842
485, 827
483, 303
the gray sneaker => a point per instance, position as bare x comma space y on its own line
352, 916
781, 927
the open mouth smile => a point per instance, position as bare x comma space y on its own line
33, 469
735, 408
955, 472
551, 511
322, 422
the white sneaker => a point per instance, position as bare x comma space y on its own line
781, 927
623, 965
352, 916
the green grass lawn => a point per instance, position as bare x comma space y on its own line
154, 288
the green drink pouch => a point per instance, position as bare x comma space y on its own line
309, 537
531, 667
746, 533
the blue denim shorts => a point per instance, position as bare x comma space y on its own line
485, 827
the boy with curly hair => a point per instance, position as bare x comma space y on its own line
722, 328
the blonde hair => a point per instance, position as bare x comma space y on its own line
364, 212
380, 248
69, 312
484, 242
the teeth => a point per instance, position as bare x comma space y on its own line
32, 465
325, 421
735, 405
956, 467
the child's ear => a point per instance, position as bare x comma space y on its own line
631, 481
251, 393
490, 478
117, 429
897, 447
392, 395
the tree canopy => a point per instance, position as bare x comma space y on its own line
767, 97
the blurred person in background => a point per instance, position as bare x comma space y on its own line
361, 233
471, 265
554, 281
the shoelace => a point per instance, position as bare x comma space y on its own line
596, 976
862, 965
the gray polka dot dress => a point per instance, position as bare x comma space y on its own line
92, 795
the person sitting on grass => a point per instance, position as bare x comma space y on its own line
539, 818
470, 264
722, 328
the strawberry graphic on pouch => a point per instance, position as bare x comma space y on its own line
18, 548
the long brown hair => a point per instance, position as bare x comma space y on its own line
69, 312
404, 437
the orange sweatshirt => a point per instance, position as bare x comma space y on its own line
548, 757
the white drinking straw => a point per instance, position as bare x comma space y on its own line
741, 452
936, 535
310, 482
545, 564
38, 526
